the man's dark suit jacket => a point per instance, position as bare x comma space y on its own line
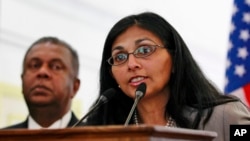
24, 124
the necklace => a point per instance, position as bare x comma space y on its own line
170, 123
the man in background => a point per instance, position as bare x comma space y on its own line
49, 83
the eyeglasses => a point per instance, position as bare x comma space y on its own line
140, 52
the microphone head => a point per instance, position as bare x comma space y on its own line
107, 95
140, 91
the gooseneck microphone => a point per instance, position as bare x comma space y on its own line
139, 93
104, 98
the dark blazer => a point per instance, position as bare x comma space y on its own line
24, 124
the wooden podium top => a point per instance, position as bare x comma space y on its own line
108, 133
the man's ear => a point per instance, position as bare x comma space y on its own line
76, 86
22, 75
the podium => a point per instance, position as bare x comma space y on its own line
108, 133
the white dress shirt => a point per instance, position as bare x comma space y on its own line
61, 123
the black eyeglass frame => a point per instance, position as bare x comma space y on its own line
109, 60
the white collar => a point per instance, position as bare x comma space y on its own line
60, 123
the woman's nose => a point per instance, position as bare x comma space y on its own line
133, 62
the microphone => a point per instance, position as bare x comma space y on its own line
104, 98
139, 93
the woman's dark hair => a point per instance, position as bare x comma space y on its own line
188, 85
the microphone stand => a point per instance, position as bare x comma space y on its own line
104, 98
132, 110
139, 93
90, 111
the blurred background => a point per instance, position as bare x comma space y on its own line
204, 25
